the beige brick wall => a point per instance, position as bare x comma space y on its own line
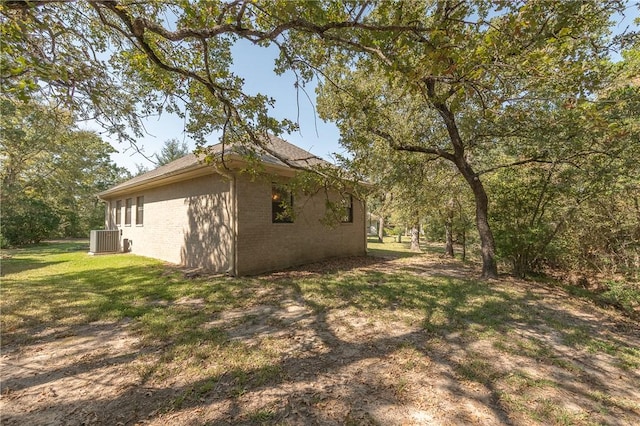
186, 223
266, 246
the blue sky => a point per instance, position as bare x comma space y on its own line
255, 64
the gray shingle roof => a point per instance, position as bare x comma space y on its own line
276, 151
295, 156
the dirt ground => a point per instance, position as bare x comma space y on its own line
339, 368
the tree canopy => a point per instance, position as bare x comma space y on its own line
51, 173
485, 85
523, 85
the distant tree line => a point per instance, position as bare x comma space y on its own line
50, 173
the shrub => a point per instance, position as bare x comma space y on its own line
27, 220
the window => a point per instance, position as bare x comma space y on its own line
347, 205
281, 205
139, 210
127, 211
118, 212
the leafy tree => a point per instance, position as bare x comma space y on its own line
171, 150
532, 205
476, 75
27, 220
51, 167
604, 234
489, 89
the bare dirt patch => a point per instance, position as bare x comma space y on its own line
60, 378
507, 352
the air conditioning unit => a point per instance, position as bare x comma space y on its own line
102, 241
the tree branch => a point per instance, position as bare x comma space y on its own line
515, 163
411, 148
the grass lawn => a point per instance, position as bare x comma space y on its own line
394, 338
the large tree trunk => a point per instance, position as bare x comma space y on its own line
381, 229
459, 158
415, 238
448, 229
487, 244
448, 248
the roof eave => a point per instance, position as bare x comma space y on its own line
183, 174
233, 161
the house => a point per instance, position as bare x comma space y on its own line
219, 219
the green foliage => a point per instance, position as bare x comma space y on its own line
623, 294
51, 51
482, 85
172, 150
48, 164
525, 216
27, 220
115, 63
528, 86
604, 234
578, 209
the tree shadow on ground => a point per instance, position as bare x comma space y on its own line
28, 257
339, 373
10, 266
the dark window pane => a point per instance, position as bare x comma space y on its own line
139, 210
347, 205
281, 205
118, 212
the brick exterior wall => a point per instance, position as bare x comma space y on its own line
266, 246
189, 223
185, 223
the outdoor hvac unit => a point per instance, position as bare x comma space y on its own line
104, 241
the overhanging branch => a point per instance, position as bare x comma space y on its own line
516, 163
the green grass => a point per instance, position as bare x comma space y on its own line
622, 295
262, 416
58, 287
391, 248
61, 286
